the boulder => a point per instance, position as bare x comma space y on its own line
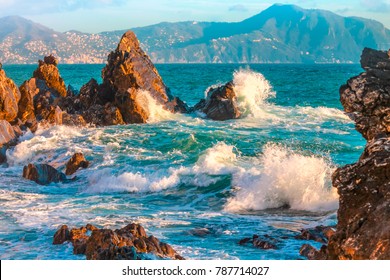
77, 161
312, 253
43, 174
363, 229
62, 235
265, 243
128, 243
319, 233
8, 137
128, 71
366, 98
220, 104
9, 98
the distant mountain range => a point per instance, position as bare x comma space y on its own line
280, 34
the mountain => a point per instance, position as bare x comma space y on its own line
279, 34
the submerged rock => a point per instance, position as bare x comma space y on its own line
364, 187
220, 104
43, 174
77, 161
9, 98
264, 243
128, 243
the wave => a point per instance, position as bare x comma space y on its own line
284, 178
155, 111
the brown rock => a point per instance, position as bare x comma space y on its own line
127, 243
319, 233
43, 174
62, 235
9, 98
128, 71
77, 161
221, 103
8, 138
312, 253
48, 72
363, 229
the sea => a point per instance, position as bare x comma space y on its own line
197, 184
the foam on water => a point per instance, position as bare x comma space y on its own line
252, 90
284, 178
155, 111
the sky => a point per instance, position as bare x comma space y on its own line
105, 15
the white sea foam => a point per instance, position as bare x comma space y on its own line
37, 146
155, 111
284, 178
252, 90
103, 181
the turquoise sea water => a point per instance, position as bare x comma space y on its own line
179, 174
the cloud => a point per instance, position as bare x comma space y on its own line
238, 8
28, 7
378, 6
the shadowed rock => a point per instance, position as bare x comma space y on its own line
363, 229
9, 98
43, 174
265, 243
8, 138
77, 161
128, 243
220, 104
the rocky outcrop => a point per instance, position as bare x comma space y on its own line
77, 161
128, 71
9, 98
363, 229
366, 98
8, 136
128, 243
265, 243
43, 174
220, 104
320, 234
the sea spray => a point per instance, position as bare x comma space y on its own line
284, 178
155, 111
252, 90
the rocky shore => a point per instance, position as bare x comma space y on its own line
363, 229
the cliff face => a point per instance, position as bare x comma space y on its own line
363, 230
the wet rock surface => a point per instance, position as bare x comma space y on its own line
43, 174
77, 161
128, 243
266, 242
220, 104
363, 229
9, 98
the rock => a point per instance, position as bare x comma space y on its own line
366, 98
319, 233
312, 253
128, 243
43, 174
129, 71
77, 161
8, 137
73, 120
364, 212
221, 103
9, 98
264, 243
62, 235
199, 232
48, 72
363, 229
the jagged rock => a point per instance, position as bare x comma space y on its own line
128, 243
62, 235
7, 138
221, 103
319, 233
72, 120
363, 229
9, 98
77, 161
48, 72
312, 253
366, 98
128, 71
43, 174
264, 243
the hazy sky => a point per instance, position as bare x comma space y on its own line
105, 15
